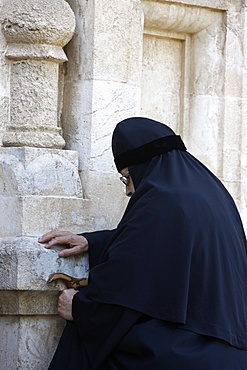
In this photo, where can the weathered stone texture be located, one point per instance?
(25, 265)
(42, 22)
(28, 351)
(35, 33)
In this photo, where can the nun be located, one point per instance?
(167, 288)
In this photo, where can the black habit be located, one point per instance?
(168, 287)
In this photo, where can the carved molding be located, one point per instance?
(35, 32)
(177, 17)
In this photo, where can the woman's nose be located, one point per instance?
(128, 191)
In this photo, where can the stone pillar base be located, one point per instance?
(28, 136)
(40, 190)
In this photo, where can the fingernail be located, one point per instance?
(61, 254)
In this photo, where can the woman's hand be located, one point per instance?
(64, 306)
(77, 243)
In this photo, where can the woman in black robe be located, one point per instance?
(168, 287)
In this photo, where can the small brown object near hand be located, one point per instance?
(69, 281)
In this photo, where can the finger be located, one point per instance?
(78, 249)
(57, 240)
(62, 297)
(44, 238)
(62, 293)
(66, 296)
(50, 244)
(50, 235)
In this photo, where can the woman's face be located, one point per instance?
(127, 180)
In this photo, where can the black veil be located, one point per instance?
(179, 252)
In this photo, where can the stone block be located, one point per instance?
(107, 198)
(26, 265)
(113, 101)
(162, 59)
(9, 329)
(11, 223)
(34, 171)
(115, 26)
(29, 351)
(204, 138)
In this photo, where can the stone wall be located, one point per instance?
(69, 71)
(195, 49)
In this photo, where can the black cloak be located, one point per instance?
(178, 255)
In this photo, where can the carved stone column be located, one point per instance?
(35, 32)
(40, 187)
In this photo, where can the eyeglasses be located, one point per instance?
(125, 179)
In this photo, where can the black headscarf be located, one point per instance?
(179, 252)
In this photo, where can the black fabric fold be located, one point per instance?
(168, 287)
(97, 241)
(148, 151)
(179, 252)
